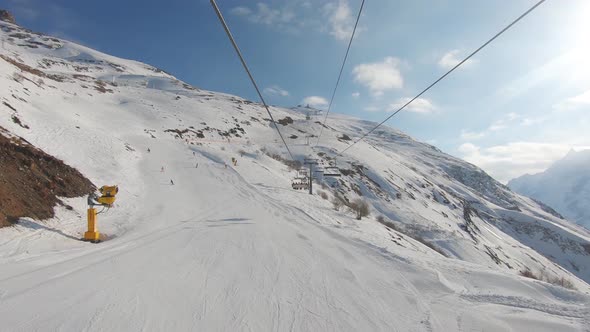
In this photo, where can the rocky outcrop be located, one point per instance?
(6, 16)
(31, 181)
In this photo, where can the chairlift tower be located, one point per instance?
(330, 171)
(310, 163)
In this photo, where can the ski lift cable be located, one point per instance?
(231, 38)
(341, 70)
(446, 74)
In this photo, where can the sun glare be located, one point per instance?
(580, 28)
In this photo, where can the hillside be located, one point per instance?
(565, 186)
(235, 247)
(33, 181)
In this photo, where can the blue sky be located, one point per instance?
(522, 103)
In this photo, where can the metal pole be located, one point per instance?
(310, 178)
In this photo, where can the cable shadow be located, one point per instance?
(35, 226)
(229, 219)
(232, 224)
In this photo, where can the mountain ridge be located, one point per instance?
(564, 186)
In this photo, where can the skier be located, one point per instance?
(162, 169)
(148, 150)
(193, 153)
(171, 182)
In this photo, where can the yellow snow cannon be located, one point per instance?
(108, 195)
(106, 200)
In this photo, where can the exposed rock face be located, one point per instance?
(32, 181)
(6, 16)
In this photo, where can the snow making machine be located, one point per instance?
(106, 200)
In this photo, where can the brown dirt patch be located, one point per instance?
(31, 70)
(31, 181)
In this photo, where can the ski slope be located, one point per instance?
(234, 258)
(234, 248)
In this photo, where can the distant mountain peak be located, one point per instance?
(565, 186)
(578, 154)
(573, 159)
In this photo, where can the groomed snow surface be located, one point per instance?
(233, 248)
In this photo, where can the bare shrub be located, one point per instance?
(544, 276)
(361, 208)
(323, 194)
(389, 224)
(527, 273)
(291, 164)
(429, 245)
(337, 202)
(561, 281)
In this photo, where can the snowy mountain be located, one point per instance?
(564, 186)
(234, 247)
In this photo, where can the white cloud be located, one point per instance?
(451, 59)
(355, 95)
(276, 90)
(574, 103)
(496, 126)
(508, 161)
(306, 4)
(241, 11)
(341, 21)
(315, 102)
(379, 77)
(333, 17)
(372, 109)
(503, 122)
(532, 121)
(468, 148)
(420, 105)
(264, 14)
(512, 116)
(472, 135)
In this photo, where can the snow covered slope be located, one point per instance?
(234, 247)
(564, 186)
